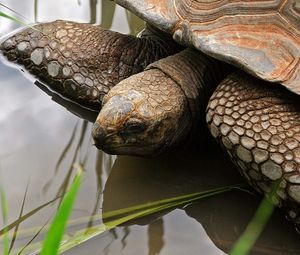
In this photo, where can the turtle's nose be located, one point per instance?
(99, 135)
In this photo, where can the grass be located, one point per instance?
(140, 211)
(19, 21)
(61, 244)
(53, 241)
(4, 211)
(58, 225)
(257, 224)
(11, 17)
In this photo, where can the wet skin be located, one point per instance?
(81, 61)
(163, 107)
(157, 110)
(256, 122)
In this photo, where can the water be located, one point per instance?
(36, 132)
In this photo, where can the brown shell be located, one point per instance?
(260, 36)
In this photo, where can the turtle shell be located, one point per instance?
(261, 37)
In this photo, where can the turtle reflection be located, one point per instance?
(224, 217)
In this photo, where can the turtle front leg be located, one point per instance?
(258, 123)
(81, 61)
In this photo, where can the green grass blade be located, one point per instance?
(26, 216)
(14, 237)
(85, 235)
(56, 230)
(23, 23)
(35, 235)
(124, 211)
(256, 225)
(4, 218)
(131, 213)
(167, 200)
(19, 14)
(4, 15)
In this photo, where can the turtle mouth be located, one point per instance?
(116, 143)
(133, 149)
(136, 142)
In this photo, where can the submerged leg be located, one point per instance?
(81, 61)
(259, 125)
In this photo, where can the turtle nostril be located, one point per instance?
(99, 135)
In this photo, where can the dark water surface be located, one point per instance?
(40, 140)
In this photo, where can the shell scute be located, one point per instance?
(261, 37)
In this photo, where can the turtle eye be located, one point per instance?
(134, 126)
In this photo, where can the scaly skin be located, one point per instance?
(134, 115)
(81, 61)
(259, 125)
(152, 112)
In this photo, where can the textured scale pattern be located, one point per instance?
(82, 61)
(262, 36)
(260, 129)
(204, 74)
(160, 92)
(150, 96)
(169, 98)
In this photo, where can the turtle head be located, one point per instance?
(138, 119)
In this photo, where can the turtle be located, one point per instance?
(82, 62)
(239, 73)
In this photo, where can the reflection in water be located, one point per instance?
(41, 141)
(35, 11)
(15, 233)
(107, 13)
(93, 11)
(75, 158)
(126, 233)
(155, 235)
(225, 223)
(223, 217)
(114, 236)
(103, 166)
(99, 171)
(73, 107)
(108, 9)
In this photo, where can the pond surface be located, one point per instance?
(41, 140)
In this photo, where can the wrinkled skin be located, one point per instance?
(154, 111)
(140, 116)
(257, 125)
